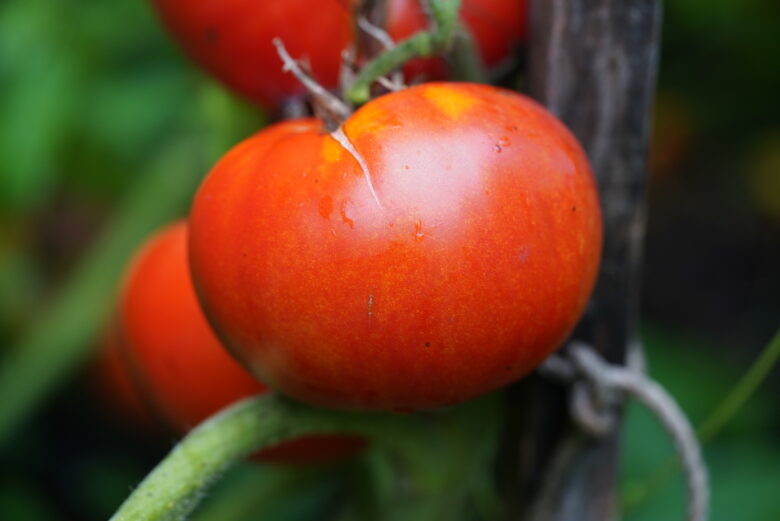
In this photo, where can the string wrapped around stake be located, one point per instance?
(598, 389)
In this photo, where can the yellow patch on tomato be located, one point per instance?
(331, 150)
(448, 100)
(370, 119)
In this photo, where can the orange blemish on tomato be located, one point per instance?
(326, 207)
(453, 102)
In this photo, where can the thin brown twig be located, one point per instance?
(326, 105)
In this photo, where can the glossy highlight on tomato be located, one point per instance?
(181, 367)
(439, 245)
(232, 38)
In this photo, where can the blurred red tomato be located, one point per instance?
(232, 38)
(184, 370)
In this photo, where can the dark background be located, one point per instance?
(95, 102)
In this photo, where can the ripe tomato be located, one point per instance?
(232, 38)
(185, 371)
(441, 244)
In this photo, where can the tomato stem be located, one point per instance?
(436, 40)
(175, 487)
(464, 59)
(327, 106)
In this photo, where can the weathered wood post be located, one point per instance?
(593, 63)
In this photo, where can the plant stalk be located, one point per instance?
(176, 486)
(436, 40)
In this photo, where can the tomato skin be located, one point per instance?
(463, 263)
(183, 368)
(232, 38)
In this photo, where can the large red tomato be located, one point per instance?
(232, 38)
(185, 372)
(441, 244)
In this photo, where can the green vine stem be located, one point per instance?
(741, 392)
(437, 40)
(249, 489)
(464, 59)
(176, 486)
(714, 423)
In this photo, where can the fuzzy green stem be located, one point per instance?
(175, 487)
(712, 425)
(453, 461)
(253, 489)
(438, 39)
(464, 59)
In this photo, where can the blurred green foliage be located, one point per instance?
(105, 130)
(744, 458)
(100, 112)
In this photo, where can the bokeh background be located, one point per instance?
(106, 129)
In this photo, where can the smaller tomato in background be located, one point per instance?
(231, 39)
(175, 360)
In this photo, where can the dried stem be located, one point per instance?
(327, 106)
(441, 451)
